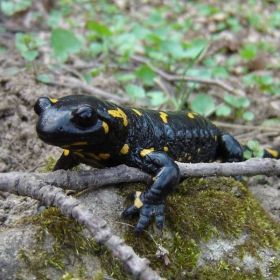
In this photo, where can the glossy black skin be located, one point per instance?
(103, 134)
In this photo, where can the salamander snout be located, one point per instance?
(41, 105)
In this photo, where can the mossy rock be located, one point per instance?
(215, 229)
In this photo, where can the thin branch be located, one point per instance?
(253, 127)
(71, 207)
(71, 82)
(80, 180)
(173, 78)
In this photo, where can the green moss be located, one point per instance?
(68, 240)
(201, 209)
(50, 163)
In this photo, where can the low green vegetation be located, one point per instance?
(114, 36)
(201, 210)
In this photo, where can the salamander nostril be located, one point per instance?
(41, 105)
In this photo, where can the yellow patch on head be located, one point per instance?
(191, 116)
(125, 149)
(104, 156)
(144, 152)
(106, 127)
(216, 138)
(179, 159)
(137, 202)
(119, 114)
(66, 152)
(274, 153)
(137, 112)
(53, 100)
(165, 149)
(163, 116)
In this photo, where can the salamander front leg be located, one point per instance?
(151, 202)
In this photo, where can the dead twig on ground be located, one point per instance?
(174, 78)
(71, 207)
(80, 180)
(76, 83)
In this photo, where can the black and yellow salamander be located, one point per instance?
(103, 134)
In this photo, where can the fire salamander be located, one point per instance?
(103, 134)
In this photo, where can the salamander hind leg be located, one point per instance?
(229, 149)
(151, 202)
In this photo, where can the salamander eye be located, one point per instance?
(41, 105)
(84, 116)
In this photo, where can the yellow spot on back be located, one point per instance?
(189, 158)
(137, 202)
(179, 159)
(144, 152)
(104, 156)
(272, 152)
(53, 100)
(79, 143)
(198, 150)
(66, 152)
(216, 138)
(106, 127)
(163, 116)
(137, 112)
(119, 114)
(190, 115)
(165, 149)
(124, 150)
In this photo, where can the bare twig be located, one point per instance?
(75, 83)
(171, 77)
(69, 206)
(80, 180)
(253, 127)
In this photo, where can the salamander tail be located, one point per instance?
(267, 152)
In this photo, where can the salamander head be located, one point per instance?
(69, 120)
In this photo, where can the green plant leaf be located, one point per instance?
(157, 98)
(173, 48)
(237, 102)
(100, 29)
(248, 116)
(64, 41)
(125, 77)
(30, 55)
(223, 111)
(270, 122)
(202, 104)
(249, 51)
(135, 91)
(44, 78)
(195, 47)
(146, 75)
(54, 18)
